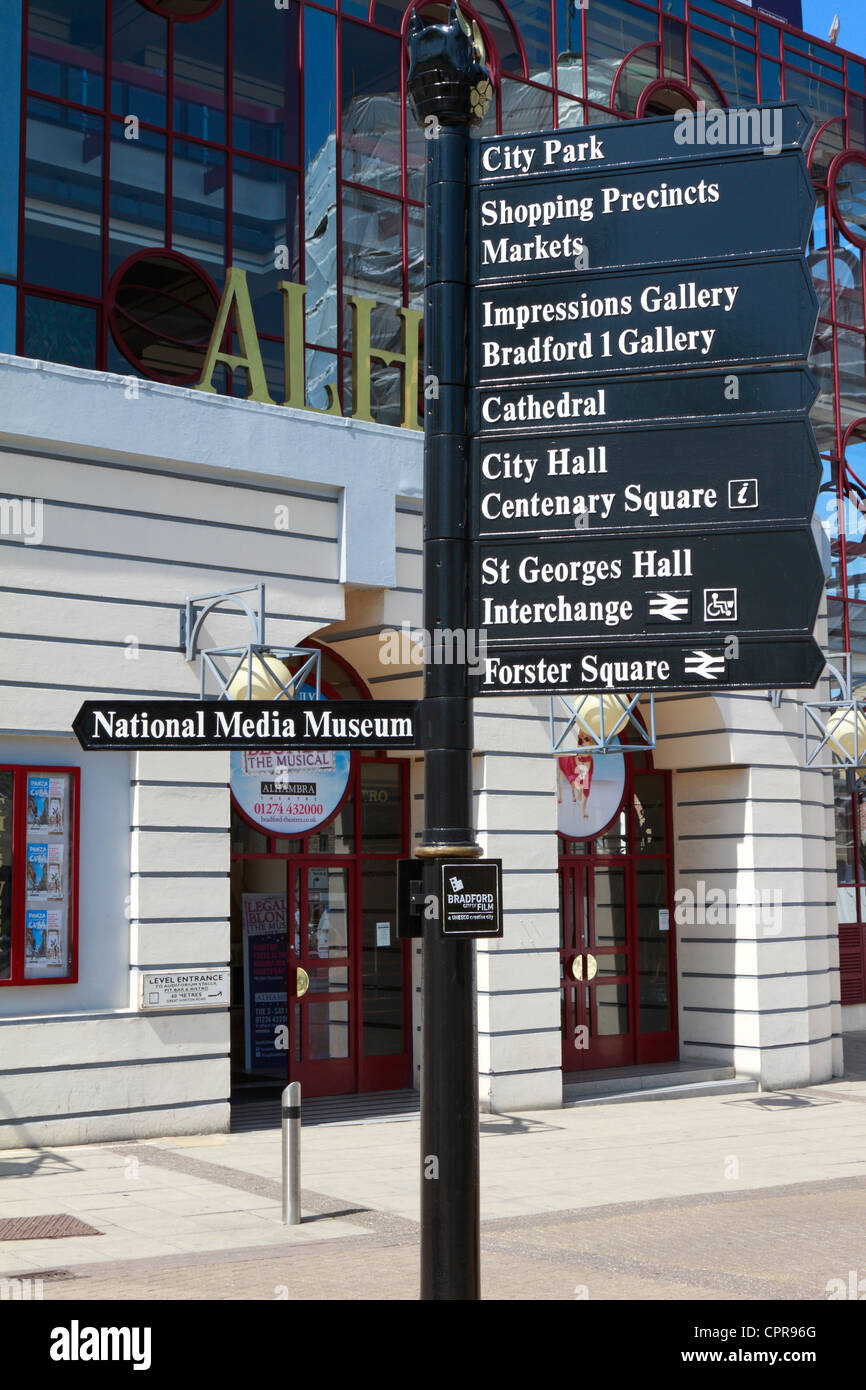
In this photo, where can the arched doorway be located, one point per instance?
(319, 979)
(617, 941)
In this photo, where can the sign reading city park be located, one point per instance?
(643, 470)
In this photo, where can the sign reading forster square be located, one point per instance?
(643, 468)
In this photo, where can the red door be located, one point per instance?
(322, 964)
(595, 960)
(617, 946)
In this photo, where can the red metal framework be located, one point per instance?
(21, 772)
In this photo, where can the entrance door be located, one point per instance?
(617, 947)
(595, 967)
(322, 962)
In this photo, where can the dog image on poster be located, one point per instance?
(589, 788)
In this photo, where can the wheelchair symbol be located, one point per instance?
(720, 605)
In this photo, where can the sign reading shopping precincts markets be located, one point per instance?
(290, 791)
(556, 224)
(643, 469)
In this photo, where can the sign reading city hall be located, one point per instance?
(643, 468)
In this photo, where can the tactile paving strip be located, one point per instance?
(44, 1227)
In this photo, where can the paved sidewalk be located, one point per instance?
(760, 1196)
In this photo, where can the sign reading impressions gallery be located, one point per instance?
(625, 278)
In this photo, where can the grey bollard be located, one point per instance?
(291, 1120)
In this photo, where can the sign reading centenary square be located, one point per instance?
(643, 469)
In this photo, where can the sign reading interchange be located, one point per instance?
(643, 469)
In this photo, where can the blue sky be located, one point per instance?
(818, 16)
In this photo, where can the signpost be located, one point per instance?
(643, 470)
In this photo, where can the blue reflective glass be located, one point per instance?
(55, 331)
(66, 48)
(63, 199)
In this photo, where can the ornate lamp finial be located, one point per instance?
(447, 77)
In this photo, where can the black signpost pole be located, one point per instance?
(447, 87)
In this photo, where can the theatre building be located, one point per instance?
(211, 293)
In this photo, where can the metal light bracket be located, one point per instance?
(816, 715)
(309, 672)
(606, 740)
(215, 659)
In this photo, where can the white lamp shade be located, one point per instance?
(266, 680)
(615, 717)
(847, 731)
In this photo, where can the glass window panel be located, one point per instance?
(768, 39)
(771, 81)
(732, 68)
(818, 97)
(525, 108)
(417, 266)
(322, 371)
(66, 44)
(856, 76)
(673, 48)
(63, 199)
(198, 206)
(245, 838)
(845, 828)
(416, 155)
(7, 783)
(610, 923)
(381, 808)
(827, 510)
(373, 263)
(615, 838)
(56, 331)
(533, 25)
(138, 63)
(830, 142)
(650, 830)
(611, 964)
(611, 1003)
(48, 882)
(327, 908)
(861, 832)
(370, 76)
(136, 206)
(854, 512)
(383, 1004)
(338, 836)
(327, 1031)
(265, 235)
(851, 352)
(850, 190)
(265, 83)
(613, 28)
(199, 77)
(856, 121)
(652, 949)
(321, 266)
(326, 979)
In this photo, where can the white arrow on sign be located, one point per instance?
(705, 664)
(674, 607)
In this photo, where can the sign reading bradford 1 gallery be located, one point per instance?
(644, 472)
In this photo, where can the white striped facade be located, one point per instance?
(160, 494)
